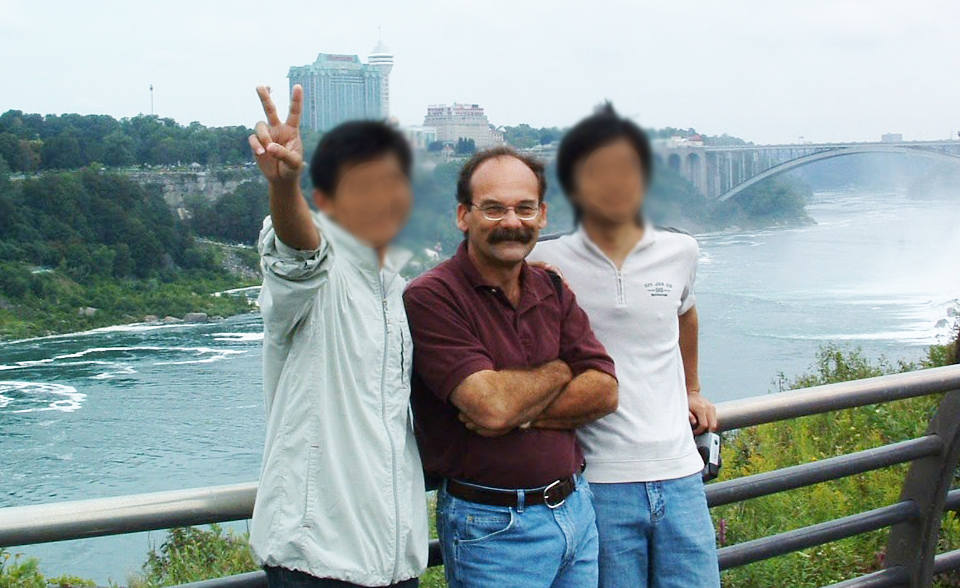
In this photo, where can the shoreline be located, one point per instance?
(37, 321)
(146, 326)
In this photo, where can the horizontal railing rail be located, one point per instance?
(78, 519)
(824, 470)
(32, 524)
(790, 404)
(797, 539)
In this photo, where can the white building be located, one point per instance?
(382, 59)
(461, 121)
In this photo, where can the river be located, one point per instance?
(142, 408)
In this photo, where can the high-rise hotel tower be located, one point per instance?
(337, 88)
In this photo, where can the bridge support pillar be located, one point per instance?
(712, 176)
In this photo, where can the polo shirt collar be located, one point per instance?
(532, 291)
(648, 239)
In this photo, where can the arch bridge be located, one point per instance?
(722, 172)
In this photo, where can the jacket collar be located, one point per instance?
(357, 253)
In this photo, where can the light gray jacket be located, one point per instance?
(341, 491)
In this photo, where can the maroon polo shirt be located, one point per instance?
(462, 325)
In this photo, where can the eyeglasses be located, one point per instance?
(497, 212)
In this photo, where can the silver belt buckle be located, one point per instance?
(546, 496)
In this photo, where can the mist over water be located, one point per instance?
(878, 271)
(146, 408)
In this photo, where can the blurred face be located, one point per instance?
(503, 185)
(372, 201)
(611, 184)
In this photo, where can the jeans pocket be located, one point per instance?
(479, 526)
(476, 529)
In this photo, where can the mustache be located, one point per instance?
(522, 235)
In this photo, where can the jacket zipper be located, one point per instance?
(386, 426)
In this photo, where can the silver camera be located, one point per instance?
(708, 444)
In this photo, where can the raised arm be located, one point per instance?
(278, 150)
(496, 402)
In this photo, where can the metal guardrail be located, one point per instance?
(915, 520)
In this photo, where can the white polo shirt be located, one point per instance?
(633, 312)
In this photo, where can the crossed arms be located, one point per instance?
(459, 368)
(496, 402)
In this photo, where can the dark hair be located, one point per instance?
(596, 131)
(465, 191)
(353, 142)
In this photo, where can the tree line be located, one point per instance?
(30, 142)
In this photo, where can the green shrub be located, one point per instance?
(19, 572)
(778, 445)
(190, 554)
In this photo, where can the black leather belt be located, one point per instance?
(552, 495)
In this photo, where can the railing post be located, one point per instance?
(912, 545)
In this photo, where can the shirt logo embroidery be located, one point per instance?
(658, 288)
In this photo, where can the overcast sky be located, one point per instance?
(765, 70)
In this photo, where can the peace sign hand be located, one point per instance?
(276, 145)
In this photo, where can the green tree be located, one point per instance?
(122, 261)
(522, 136)
(118, 149)
(10, 151)
(466, 146)
(236, 217)
(62, 152)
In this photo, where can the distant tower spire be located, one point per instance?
(382, 59)
(151, 99)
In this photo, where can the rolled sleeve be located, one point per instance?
(446, 349)
(291, 279)
(579, 346)
(283, 261)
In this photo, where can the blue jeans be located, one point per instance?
(524, 547)
(656, 535)
(284, 578)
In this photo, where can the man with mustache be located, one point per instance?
(506, 366)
